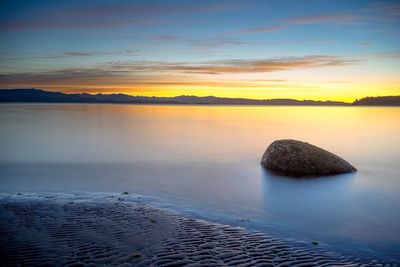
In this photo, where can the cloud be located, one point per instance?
(213, 41)
(387, 8)
(387, 55)
(366, 43)
(167, 38)
(335, 19)
(145, 72)
(324, 19)
(126, 76)
(62, 75)
(58, 24)
(219, 41)
(105, 16)
(262, 66)
(134, 9)
(201, 45)
(205, 45)
(98, 53)
(69, 54)
(265, 29)
(80, 77)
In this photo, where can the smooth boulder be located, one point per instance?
(300, 158)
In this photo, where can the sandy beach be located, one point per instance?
(63, 231)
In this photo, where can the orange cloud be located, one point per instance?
(143, 71)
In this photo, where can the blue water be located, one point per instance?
(203, 161)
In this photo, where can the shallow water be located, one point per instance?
(204, 161)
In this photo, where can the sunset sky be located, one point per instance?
(321, 50)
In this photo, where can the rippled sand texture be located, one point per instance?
(54, 232)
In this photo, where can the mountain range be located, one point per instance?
(41, 96)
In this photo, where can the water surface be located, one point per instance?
(205, 161)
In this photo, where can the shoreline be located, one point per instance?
(196, 104)
(92, 230)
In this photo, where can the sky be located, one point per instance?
(319, 50)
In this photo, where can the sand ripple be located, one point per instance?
(53, 232)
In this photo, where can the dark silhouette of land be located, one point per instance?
(378, 101)
(40, 96)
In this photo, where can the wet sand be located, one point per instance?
(58, 231)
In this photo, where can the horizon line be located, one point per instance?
(176, 96)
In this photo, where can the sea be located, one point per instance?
(204, 161)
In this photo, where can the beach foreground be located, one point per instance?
(52, 230)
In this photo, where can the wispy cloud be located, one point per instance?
(167, 38)
(366, 44)
(323, 19)
(388, 8)
(96, 78)
(106, 16)
(71, 54)
(388, 55)
(261, 66)
(137, 72)
(134, 9)
(335, 19)
(265, 29)
(205, 45)
(95, 53)
(201, 45)
(59, 24)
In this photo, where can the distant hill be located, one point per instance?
(36, 95)
(378, 101)
(41, 96)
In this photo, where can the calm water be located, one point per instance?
(204, 161)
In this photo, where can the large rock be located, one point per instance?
(300, 158)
